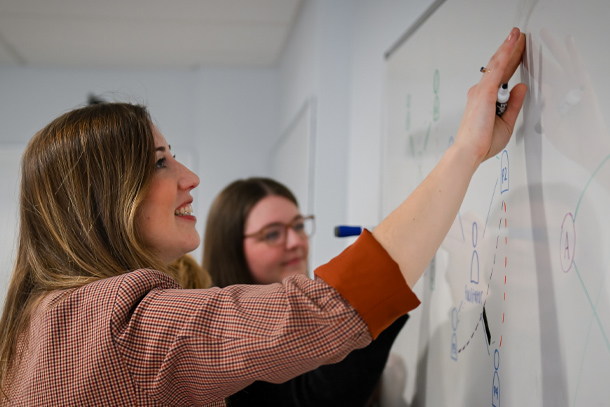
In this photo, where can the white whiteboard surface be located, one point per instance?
(531, 243)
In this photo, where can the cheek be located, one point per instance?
(263, 262)
(155, 214)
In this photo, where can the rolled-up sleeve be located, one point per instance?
(368, 278)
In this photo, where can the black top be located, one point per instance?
(350, 382)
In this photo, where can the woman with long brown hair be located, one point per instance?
(94, 317)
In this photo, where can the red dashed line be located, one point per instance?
(502, 317)
(505, 279)
(500, 340)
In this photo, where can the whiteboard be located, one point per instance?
(515, 306)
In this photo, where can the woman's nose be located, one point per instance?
(188, 179)
(294, 239)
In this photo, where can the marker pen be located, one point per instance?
(346, 231)
(503, 95)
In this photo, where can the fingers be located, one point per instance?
(506, 59)
(515, 59)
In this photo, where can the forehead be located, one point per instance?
(158, 137)
(271, 209)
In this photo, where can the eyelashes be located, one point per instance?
(161, 162)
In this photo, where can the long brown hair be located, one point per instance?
(83, 177)
(223, 249)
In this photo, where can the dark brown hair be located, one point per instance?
(223, 249)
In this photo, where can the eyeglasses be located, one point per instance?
(275, 234)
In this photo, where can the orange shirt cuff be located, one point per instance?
(367, 277)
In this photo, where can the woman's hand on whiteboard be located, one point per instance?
(482, 132)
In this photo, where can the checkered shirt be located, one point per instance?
(138, 339)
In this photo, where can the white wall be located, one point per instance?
(236, 125)
(317, 64)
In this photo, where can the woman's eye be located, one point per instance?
(299, 226)
(161, 163)
(272, 235)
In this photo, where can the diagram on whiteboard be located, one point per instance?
(516, 304)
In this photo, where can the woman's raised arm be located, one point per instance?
(413, 232)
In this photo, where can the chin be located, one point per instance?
(193, 244)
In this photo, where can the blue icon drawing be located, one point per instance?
(454, 325)
(504, 180)
(474, 268)
(495, 387)
(495, 393)
(454, 352)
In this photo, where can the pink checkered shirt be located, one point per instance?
(139, 339)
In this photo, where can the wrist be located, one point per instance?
(463, 157)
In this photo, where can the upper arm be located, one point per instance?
(204, 345)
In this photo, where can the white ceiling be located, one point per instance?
(142, 34)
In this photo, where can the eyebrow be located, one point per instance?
(282, 223)
(162, 148)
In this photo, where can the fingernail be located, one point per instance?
(513, 32)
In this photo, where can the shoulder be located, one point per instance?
(131, 288)
(139, 282)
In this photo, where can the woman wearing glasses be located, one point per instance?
(256, 234)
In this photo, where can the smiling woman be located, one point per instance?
(165, 222)
(94, 317)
